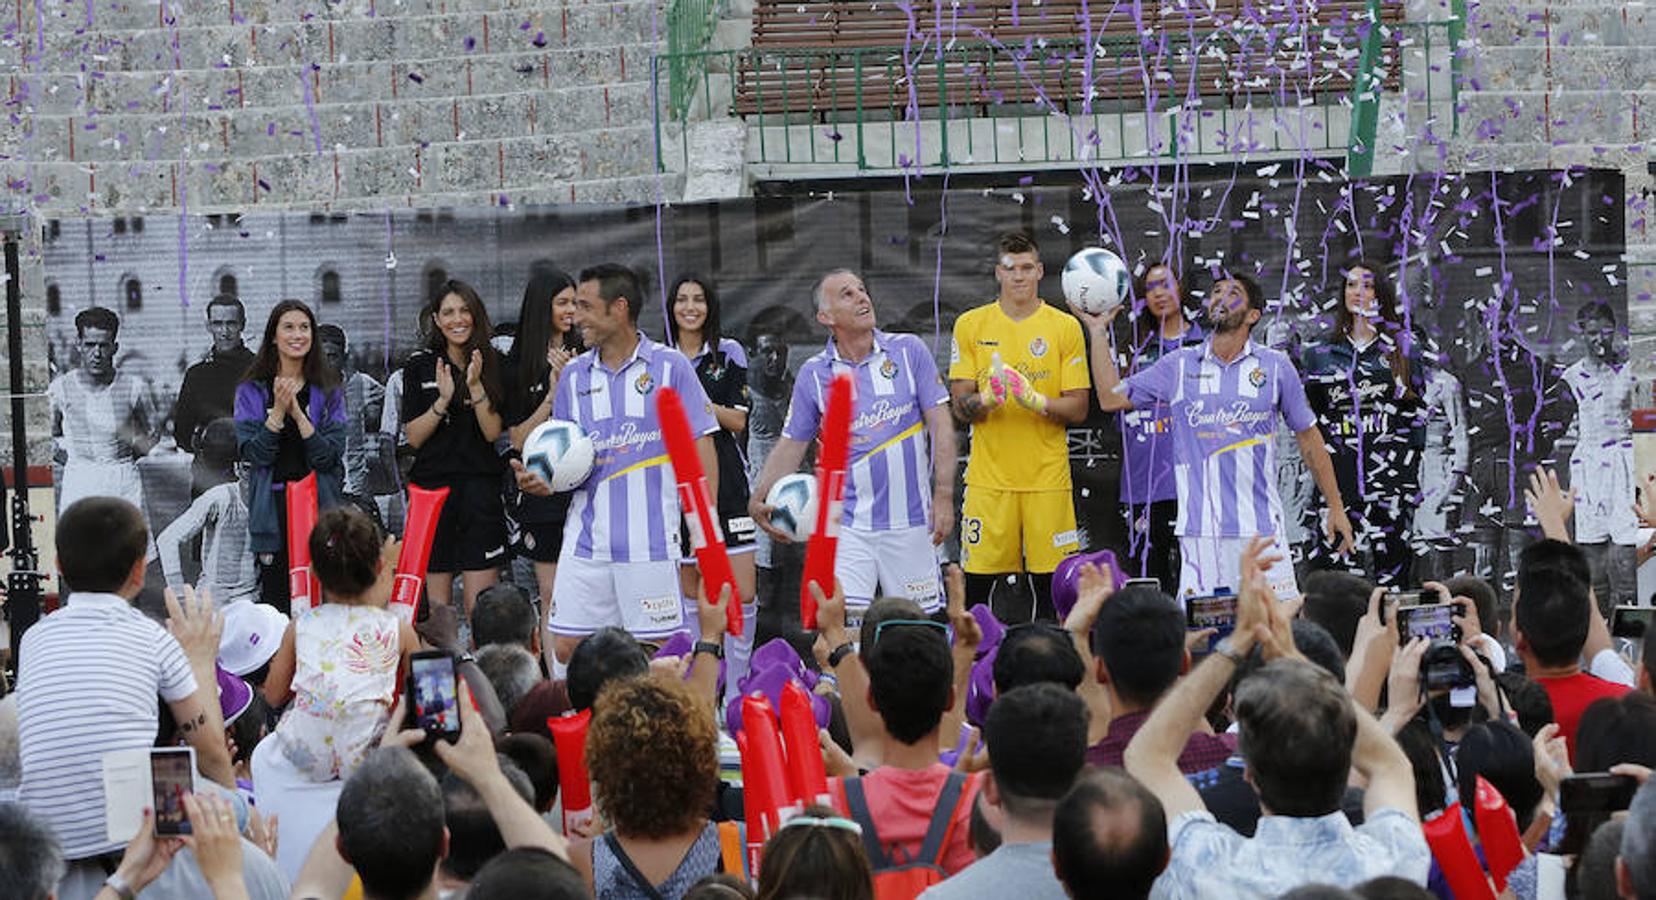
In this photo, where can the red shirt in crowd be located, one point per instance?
(901, 802)
(1571, 695)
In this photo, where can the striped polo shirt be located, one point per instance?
(87, 681)
(888, 482)
(1224, 421)
(627, 510)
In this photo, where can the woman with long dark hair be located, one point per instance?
(546, 341)
(1365, 383)
(290, 422)
(1149, 494)
(451, 410)
(721, 364)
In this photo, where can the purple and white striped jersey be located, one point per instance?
(888, 482)
(1224, 420)
(627, 510)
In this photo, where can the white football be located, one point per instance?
(1096, 280)
(559, 452)
(793, 502)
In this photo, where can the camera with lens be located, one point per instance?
(1444, 667)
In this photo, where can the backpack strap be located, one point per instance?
(856, 803)
(626, 863)
(942, 820)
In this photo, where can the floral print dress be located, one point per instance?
(344, 679)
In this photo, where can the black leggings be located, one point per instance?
(1014, 597)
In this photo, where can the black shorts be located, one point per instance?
(471, 532)
(739, 534)
(540, 539)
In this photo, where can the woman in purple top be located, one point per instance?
(290, 422)
(1148, 491)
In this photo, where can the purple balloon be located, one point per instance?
(1069, 572)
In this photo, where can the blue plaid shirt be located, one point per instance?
(1210, 860)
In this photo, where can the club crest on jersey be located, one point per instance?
(1257, 377)
(1038, 347)
(888, 369)
(644, 383)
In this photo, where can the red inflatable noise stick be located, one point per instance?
(1503, 846)
(807, 780)
(569, 735)
(823, 546)
(303, 590)
(696, 501)
(424, 506)
(764, 773)
(1446, 835)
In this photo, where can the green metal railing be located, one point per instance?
(961, 104)
(689, 29)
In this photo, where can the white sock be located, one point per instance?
(739, 647)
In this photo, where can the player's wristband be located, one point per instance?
(710, 648)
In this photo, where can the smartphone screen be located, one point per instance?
(1216, 611)
(1143, 582)
(1587, 800)
(435, 695)
(1433, 621)
(172, 775)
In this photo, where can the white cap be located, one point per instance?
(252, 634)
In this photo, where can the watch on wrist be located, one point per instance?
(839, 654)
(1228, 650)
(712, 648)
(119, 885)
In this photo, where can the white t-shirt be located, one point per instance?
(87, 682)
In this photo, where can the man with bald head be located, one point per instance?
(899, 492)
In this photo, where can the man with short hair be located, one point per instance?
(1636, 863)
(910, 685)
(1301, 736)
(1336, 600)
(1109, 837)
(899, 494)
(504, 615)
(1138, 642)
(1552, 614)
(1037, 653)
(89, 675)
(619, 563)
(512, 671)
(473, 836)
(1225, 396)
(528, 874)
(103, 419)
(1037, 737)
(31, 861)
(1018, 377)
(209, 389)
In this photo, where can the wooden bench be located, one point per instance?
(806, 55)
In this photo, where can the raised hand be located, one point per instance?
(445, 383)
(196, 624)
(474, 372)
(216, 842)
(1093, 586)
(556, 359)
(1551, 504)
(1097, 322)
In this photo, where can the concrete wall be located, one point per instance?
(116, 108)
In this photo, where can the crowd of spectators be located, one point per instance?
(1118, 753)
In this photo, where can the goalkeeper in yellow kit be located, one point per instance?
(1018, 376)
